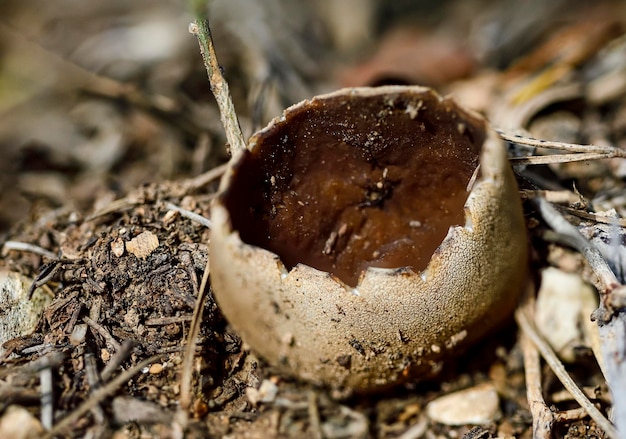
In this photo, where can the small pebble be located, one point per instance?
(143, 244)
(18, 423)
(156, 368)
(117, 247)
(477, 405)
(564, 303)
(265, 393)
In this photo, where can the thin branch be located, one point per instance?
(612, 336)
(560, 158)
(205, 178)
(525, 323)
(108, 338)
(47, 400)
(556, 197)
(597, 218)
(26, 247)
(611, 151)
(593, 256)
(219, 86)
(543, 418)
(91, 371)
(192, 338)
(191, 215)
(610, 319)
(314, 416)
(100, 395)
(117, 359)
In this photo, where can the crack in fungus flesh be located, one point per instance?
(343, 187)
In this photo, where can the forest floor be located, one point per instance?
(112, 153)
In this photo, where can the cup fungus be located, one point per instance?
(357, 242)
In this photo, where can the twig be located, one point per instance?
(94, 383)
(219, 86)
(560, 158)
(557, 197)
(611, 321)
(194, 330)
(525, 323)
(314, 416)
(47, 401)
(50, 360)
(99, 395)
(563, 146)
(117, 359)
(162, 321)
(26, 247)
(612, 336)
(103, 332)
(114, 206)
(587, 249)
(204, 179)
(597, 218)
(543, 418)
(570, 415)
(191, 215)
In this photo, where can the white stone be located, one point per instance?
(265, 393)
(18, 423)
(19, 315)
(477, 405)
(564, 304)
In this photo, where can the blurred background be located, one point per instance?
(100, 97)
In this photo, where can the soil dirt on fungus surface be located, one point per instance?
(112, 150)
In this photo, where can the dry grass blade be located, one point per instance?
(219, 86)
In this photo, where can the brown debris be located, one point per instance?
(107, 121)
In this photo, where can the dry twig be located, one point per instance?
(194, 330)
(108, 338)
(543, 418)
(525, 323)
(26, 247)
(609, 151)
(560, 158)
(611, 321)
(191, 215)
(574, 238)
(219, 86)
(47, 400)
(100, 395)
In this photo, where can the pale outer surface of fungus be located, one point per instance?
(397, 324)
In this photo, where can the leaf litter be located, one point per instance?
(108, 139)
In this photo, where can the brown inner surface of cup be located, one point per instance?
(350, 182)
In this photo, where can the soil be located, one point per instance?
(112, 149)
